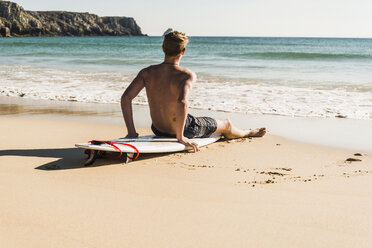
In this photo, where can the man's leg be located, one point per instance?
(228, 130)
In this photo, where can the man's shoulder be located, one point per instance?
(188, 73)
(147, 71)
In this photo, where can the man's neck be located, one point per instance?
(172, 60)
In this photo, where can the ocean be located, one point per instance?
(307, 77)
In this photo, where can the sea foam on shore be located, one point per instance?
(208, 93)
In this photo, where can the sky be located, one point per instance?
(273, 18)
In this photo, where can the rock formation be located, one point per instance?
(15, 21)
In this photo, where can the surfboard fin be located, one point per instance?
(92, 157)
(129, 156)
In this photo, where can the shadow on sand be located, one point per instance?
(71, 158)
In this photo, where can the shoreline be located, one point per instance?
(342, 133)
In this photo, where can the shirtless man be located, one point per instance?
(168, 87)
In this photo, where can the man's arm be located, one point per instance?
(126, 102)
(181, 112)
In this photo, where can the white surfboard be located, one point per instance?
(144, 144)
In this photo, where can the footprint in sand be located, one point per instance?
(353, 160)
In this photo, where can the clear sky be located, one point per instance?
(299, 18)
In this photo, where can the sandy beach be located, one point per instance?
(300, 69)
(269, 192)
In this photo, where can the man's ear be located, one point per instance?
(183, 51)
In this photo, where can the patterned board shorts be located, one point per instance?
(195, 127)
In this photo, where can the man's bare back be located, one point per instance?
(164, 84)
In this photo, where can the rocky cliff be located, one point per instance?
(15, 21)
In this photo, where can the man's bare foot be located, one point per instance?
(259, 132)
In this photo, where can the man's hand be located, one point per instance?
(188, 143)
(131, 136)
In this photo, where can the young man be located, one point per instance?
(168, 88)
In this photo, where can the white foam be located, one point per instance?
(253, 98)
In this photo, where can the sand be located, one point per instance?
(266, 192)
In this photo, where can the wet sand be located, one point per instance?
(342, 133)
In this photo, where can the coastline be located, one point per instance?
(254, 192)
(335, 132)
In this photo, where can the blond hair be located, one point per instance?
(174, 43)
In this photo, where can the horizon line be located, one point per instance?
(241, 36)
(207, 36)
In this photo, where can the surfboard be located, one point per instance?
(144, 144)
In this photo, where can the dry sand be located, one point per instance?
(267, 192)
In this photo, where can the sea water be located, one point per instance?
(310, 77)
